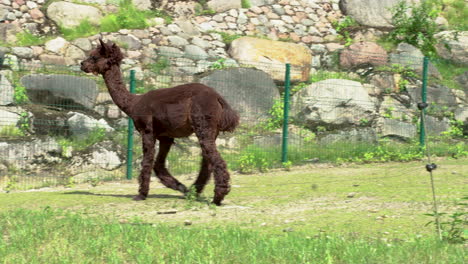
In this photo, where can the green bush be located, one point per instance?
(415, 24)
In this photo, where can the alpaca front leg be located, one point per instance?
(146, 166)
(203, 176)
(160, 168)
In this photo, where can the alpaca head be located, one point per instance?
(102, 58)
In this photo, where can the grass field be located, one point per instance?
(370, 213)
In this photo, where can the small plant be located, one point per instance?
(227, 38)
(219, 64)
(26, 38)
(364, 122)
(246, 4)
(453, 229)
(24, 122)
(202, 9)
(84, 29)
(161, 64)
(276, 116)
(11, 183)
(20, 95)
(388, 112)
(342, 28)
(247, 163)
(287, 165)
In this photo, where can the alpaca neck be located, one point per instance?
(117, 89)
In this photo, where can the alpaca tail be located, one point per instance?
(229, 118)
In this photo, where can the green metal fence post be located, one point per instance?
(422, 129)
(287, 88)
(130, 132)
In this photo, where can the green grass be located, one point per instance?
(448, 71)
(52, 236)
(84, 29)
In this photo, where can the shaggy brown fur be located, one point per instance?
(166, 114)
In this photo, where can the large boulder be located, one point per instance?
(363, 53)
(70, 15)
(271, 57)
(61, 90)
(25, 154)
(6, 91)
(251, 92)
(371, 13)
(333, 103)
(409, 56)
(354, 135)
(453, 45)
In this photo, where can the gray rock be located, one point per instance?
(143, 5)
(75, 53)
(195, 52)
(170, 52)
(129, 41)
(369, 12)
(83, 43)
(106, 159)
(57, 45)
(453, 45)
(436, 126)
(200, 43)
(333, 103)
(61, 90)
(8, 118)
(355, 135)
(70, 15)
(224, 5)
(251, 92)
(81, 125)
(177, 41)
(437, 94)
(8, 32)
(410, 56)
(397, 129)
(6, 91)
(23, 154)
(4, 10)
(188, 28)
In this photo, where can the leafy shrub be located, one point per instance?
(415, 24)
(20, 96)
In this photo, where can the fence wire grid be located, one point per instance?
(60, 126)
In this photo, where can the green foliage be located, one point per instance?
(26, 38)
(324, 75)
(84, 29)
(161, 64)
(24, 123)
(81, 143)
(405, 71)
(251, 161)
(202, 9)
(415, 24)
(455, 11)
(10, 131)
(227, 38)
(220, 64)
(449, 71)
(343, 27)
(20, 95)
(246, 4)
(453, 226)
(276, 113)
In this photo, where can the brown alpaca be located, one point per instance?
(166, 114)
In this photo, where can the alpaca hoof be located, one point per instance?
(139, 197)
(181, 188)
(216, 202)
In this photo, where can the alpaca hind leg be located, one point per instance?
(146, 165)
(160, 166)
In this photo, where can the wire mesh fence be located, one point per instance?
(59, 126)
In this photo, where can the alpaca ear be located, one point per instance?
(103, 50)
